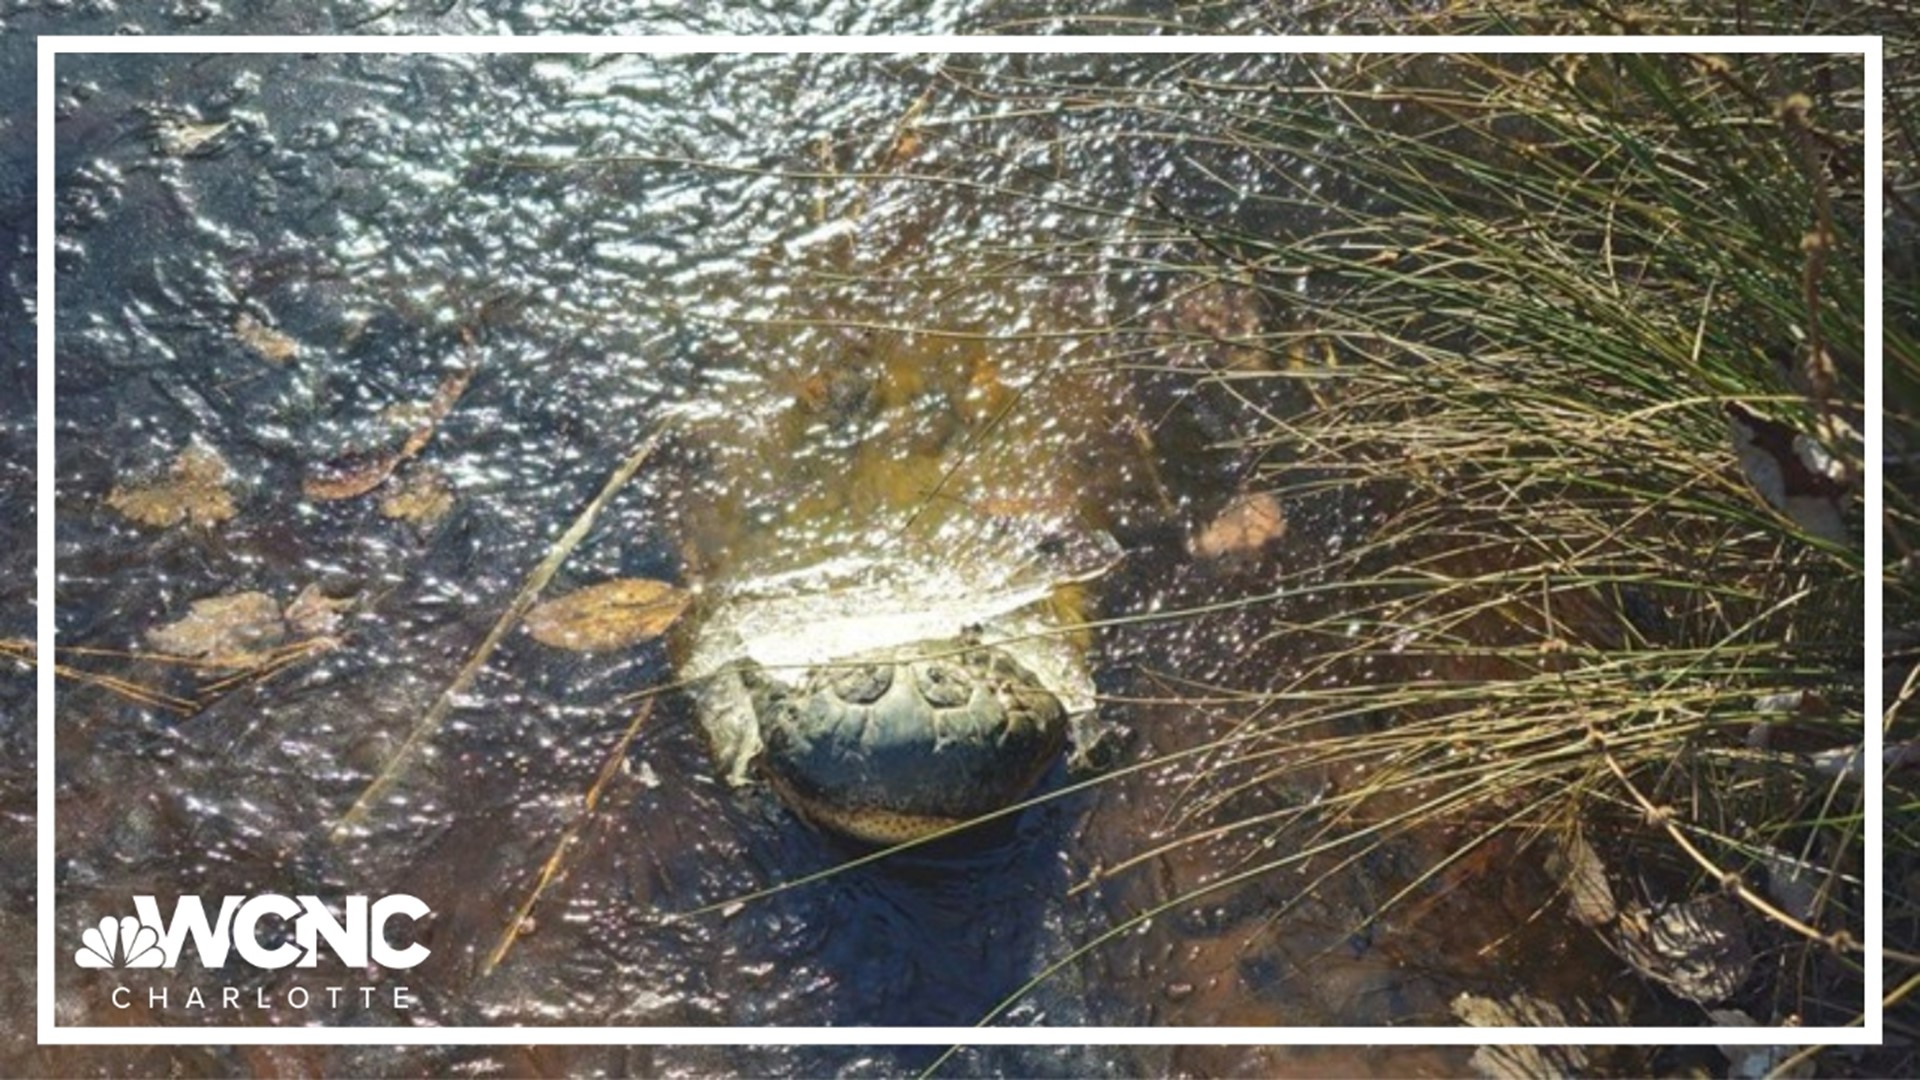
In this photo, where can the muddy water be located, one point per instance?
(822, 274)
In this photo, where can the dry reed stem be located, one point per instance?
(552, 869)
(556, 555)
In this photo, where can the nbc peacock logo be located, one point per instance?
(125, 942)
(353, 928)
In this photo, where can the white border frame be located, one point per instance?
(53, 46)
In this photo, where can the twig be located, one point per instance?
(551, 870)
(355, 476)
(529, 592)
(23, 652)
(1817, 244)
(1840, 940)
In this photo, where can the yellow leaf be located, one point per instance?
(611, 615)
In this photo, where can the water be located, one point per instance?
(613, 243)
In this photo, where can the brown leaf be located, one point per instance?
(192, 490)
(420, 499)
(360, 472)
(1216, 325)
(272, 345)
(1249, 523)
(611, 615)
(351, 476)
(1575, 865)
(228, 631)
(314, 613)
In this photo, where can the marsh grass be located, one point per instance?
(1480, 319)
(1519, 337)
(1542, 282)
(1503, 346)
(1900, 523)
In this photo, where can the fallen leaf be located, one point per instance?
(227, 631)
(193, 490)
(1793, 883)
(314, 613)
(1573, 863)
(1247, 524)
(420, 499)
(351, 476)
(1527, 1062)
(358, 473)
(1519, 1062)
(611, 615)
(1807, 703)
(179, 137)
(1216, 325)
(1755, 1062)
(1697, 949)
(1843, 762)
(270, 344)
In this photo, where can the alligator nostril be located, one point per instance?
(862, 685)
(942, 685)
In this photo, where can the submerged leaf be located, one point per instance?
(1247, 524)
(1519, 1062)
(178, 136)
(611, 615)
(420, 499)
(228, 631)
(1574, 864)
(1697, 949)
(192, 490)
(314, 613)
(1755, 1062)
(359, 472)
(272, 345)
(350, 477)
(1216, 326)
(1793, 883)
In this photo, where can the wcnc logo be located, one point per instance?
(358, 937)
